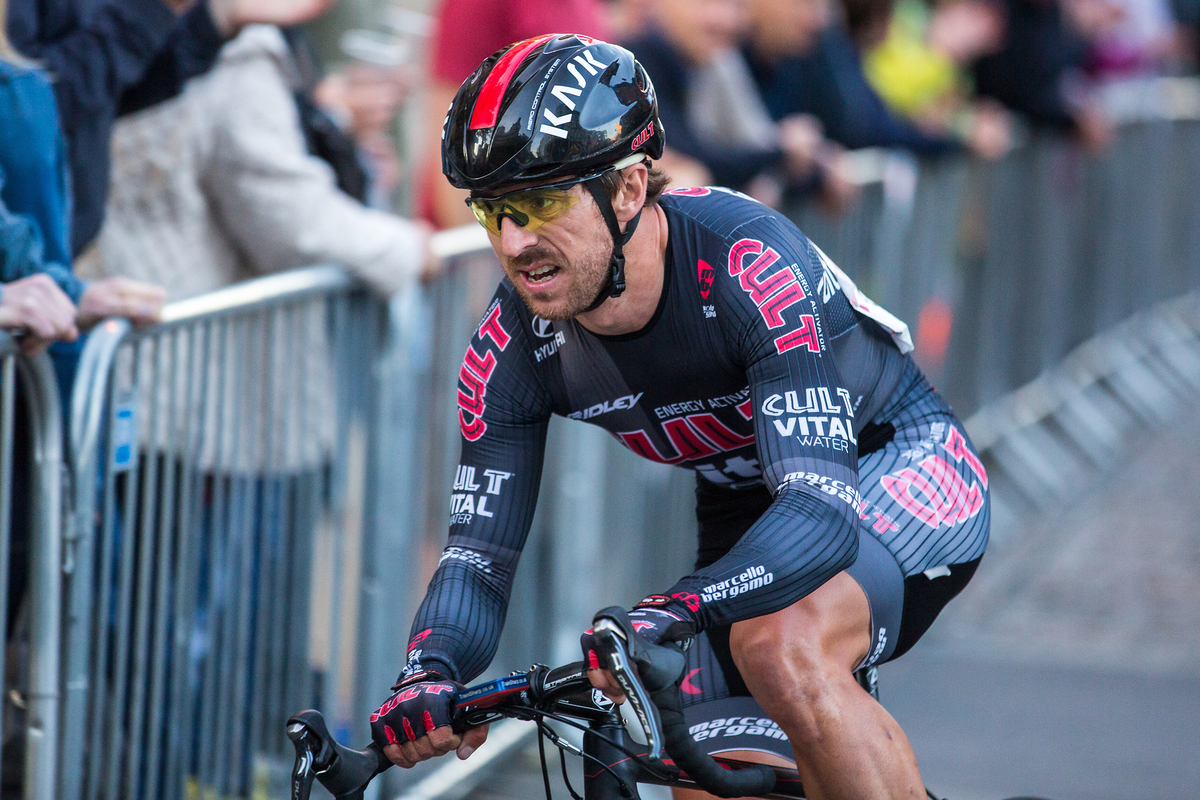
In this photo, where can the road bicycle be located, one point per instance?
(614, 763)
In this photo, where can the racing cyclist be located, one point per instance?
(840, 503)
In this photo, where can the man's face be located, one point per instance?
(560, 268)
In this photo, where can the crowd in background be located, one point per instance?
(186, 144)
(766, 96)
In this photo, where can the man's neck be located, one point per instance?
(645, 260)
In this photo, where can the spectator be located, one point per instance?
(40, 293)
(920, 70)
(803, 63)
(712, 110)
(1036, 70)
(1128, 37)
(217, 185)
(362, 100)
(465, 33)
(116, 56)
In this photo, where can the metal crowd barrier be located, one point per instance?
(31, 458)
(222, 462)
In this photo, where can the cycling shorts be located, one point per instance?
(923, 528)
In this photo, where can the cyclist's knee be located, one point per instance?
(798, 660)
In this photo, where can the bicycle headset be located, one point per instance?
(559, 106)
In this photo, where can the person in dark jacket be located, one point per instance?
(710, 105)
(40, 295)
(116, 56)
(1032, 73)
(803, 63)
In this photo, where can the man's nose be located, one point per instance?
(514, 239)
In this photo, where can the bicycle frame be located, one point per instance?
(611, 756)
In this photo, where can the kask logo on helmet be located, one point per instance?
(566, 93)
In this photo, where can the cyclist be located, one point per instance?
(840, 503)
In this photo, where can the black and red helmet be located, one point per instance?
(559, 105)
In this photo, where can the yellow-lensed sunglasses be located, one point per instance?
(533, 207)
(530, 208)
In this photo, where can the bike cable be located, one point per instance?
(542, 757)
(562, 759)
(637, 757)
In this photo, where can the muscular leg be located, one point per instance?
(798, 663)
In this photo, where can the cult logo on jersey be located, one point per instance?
(937, 494)
(689, 191)
(693, 437)
(705, 274)
(772, 289)
(476, 371)
(818, 421)
(466, 501)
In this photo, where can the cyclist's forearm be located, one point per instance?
(798, 544)
(457, 627)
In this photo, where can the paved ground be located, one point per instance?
(1070, 667)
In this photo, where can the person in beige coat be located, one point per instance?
(217, 186)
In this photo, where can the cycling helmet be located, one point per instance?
(555, 106)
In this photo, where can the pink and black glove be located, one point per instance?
(657, 625)
(418, 706)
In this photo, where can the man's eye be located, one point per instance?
(543, 203)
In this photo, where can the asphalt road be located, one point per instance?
(1070, 667)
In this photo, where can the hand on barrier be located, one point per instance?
(414, 724)
(231, 16)
(141, 303)
(36, 306)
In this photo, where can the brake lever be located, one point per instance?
(615, 641)
(313, 753)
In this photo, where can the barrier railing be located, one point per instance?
(31, 453)
(258, 501)
(221, 463)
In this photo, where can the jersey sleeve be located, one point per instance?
(780, 315)
(503, 412)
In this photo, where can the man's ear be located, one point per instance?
(632, 194)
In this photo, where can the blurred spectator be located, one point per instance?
(217, 185)
(713, 113)
(920, 70)
(117, 56)
(40, 293)
(364, 99)
(803, 63)
(1038, 72)
(465, 33)
(1128, 37)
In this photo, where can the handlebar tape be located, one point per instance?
(700, 767)
(354, 769)
(660, 668)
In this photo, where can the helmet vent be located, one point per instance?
(491, 95)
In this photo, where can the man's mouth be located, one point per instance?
(541, 274)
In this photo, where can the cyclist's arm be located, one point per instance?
(503, 414)
(804, 434)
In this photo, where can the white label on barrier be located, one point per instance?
(124, 433)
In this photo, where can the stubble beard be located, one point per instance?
(588, 277)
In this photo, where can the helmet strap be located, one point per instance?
(615, 285)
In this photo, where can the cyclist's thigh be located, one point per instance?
(924, 524)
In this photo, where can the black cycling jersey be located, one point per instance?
(762, 365)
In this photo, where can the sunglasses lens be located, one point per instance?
(530, 210)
